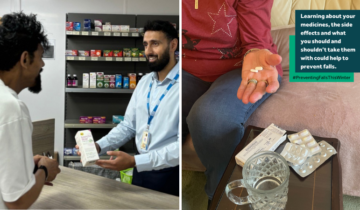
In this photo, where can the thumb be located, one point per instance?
(273, 59)
(114, 153)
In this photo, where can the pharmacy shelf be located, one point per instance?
(110, 59)
(104, 33)
(76, 124)
(97, 90)
(104, 157)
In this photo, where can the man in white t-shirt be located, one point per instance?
(22, 176)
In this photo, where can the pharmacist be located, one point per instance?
(152, 117)
(22, 43)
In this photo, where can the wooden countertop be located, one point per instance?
(75, 189)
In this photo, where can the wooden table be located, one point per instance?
(320, 190)
(75, 189)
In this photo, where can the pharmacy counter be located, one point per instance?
(75, 189)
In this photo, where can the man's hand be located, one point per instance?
(52, 167)
(37, 158)
(250, 92)
(96, 145)
(121, 162)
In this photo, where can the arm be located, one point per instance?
(26, 200)
(123, 132)
(254, 27)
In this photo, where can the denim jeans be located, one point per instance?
(215, 118)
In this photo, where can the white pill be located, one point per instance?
(315, 149)
(293, 136)
(311, 144)
(253, 70)
(304, 132)
(259, 68)
(298, 141)
(307, 138)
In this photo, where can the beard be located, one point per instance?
(37, 87)
(159, 64)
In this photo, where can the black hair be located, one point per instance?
(164, 26)
(19, 33)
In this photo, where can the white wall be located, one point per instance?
(52, 13)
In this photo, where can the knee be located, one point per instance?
(206, 120)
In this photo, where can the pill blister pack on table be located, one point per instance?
(295, 154)
(312, 163)
(305, 139)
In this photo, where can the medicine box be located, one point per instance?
(268, 140)
(86, 80)
(92, 80)
(87, 146)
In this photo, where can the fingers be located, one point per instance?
(242, 89)
(273, 59)
(108, 164)
(77, 146)
(49, 184)
(273, 85)
(113, 153)
(248, 91)
(259, 91)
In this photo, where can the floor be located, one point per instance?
(194, 197)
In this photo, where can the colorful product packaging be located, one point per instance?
(71, 52)
(132, 78)
(98, 28)
(87, 146)
(108, 53)
(142, 53)
(106, 81)
(87, 24)
(118, 81)
(134, 52)
(92, 80)
(95, 53)
(99, 120)
(69, 26)
(98, 22)
(75, 151)
(68, 151)
(85, 53)
(106, 28)
(118, 53)
(115, 28)
(126, 83)
(116, 119)
(112, 81)
(127, 52)
(77, 26)
(99, 79)
(86, 80)
(124, 28)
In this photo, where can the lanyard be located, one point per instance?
(151, 116)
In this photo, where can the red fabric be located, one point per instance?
(216, 36)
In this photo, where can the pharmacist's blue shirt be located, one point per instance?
(163, 151)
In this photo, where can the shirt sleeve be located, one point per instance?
(123, 132)
(254, 25)
(17, 163)
(165, 157)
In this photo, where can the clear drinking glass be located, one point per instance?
(266, 179)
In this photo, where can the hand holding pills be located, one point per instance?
(255, 84)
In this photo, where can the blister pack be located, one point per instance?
(305, 139)
(295, 154)
(312, 163)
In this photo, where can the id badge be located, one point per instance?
(145, 140)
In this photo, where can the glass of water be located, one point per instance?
(266, 179)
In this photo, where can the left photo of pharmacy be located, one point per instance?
(89, 104)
